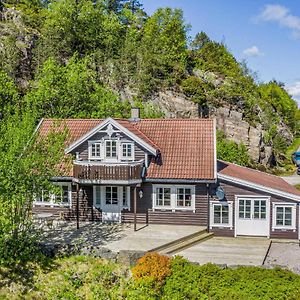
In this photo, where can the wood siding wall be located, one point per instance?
(231, 190)
(139, 152)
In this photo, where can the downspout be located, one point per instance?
(208, 206)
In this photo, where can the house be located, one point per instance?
(165, 171)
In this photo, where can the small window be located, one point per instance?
(127, 150)
(184, 197)
(60, 195)
(221, 214)
(124, 196)
(111, 195)
(98, 196)
(283, 216)
(96, 150)
(163, 197)
(111, 149)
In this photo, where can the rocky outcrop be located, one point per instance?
(229, 120)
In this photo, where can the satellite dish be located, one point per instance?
(220, 193)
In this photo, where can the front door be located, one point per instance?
(111, 208)
(252, 216)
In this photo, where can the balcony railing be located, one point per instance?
(98, 172)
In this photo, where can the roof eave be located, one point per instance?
(263, 188)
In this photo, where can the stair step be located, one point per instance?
(187, 243)
(175, 242)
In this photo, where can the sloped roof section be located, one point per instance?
(257, 177)
(187, 147)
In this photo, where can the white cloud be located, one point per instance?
(294, 90)
(252, 51)
(281, 15)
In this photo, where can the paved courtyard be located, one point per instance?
(286, 255)
(230, 251)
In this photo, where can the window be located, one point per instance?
(111, 195)
(184, 197)
(111, 149)
(174, 197)
(124, 196)
(127, 150)
(61, 195)
(244, 209)
(283, 216)
(163, 197)
(96, 150)
(221, 214)
(97, 196)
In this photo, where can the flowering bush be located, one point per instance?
(153, 267)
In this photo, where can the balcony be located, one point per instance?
(108, 173)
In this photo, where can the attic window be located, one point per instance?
(111, 149)
(127, 150)
(96, 150)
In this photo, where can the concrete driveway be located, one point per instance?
(230, 251)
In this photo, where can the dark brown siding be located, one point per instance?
(145, 212)
(231, 190)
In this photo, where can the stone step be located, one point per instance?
(183, 243)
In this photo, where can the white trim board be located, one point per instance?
(259, 187)
(118, 126)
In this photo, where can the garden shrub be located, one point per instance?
(152, 267)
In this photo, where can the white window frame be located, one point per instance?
(173, 206)
(230, 214)
(103, 196)
(274, 213)
(121, 151)
(108, 158)
(90, 145)
(52, 196)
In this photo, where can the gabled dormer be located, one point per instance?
(113, 150)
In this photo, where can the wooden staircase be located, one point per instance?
(183, 243)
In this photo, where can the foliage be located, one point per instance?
(188, 281)
(231, 152)
(154, 267)
(73, 91)
(26, 166)
(92, 278)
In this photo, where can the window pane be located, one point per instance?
(65, 194)
(124, 192)
(98, 195)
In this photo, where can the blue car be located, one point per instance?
(296, 158)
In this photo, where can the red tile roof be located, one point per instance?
(187, 145)
(257, 177)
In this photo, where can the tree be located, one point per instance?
(9, 97)
(81, 27)
(162, 53)
(26, 166)
(73, 91)
(200, 40)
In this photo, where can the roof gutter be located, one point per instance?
(171, 180)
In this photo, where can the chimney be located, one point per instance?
(135, 114)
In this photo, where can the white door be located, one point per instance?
(111, 206)
(252, 216)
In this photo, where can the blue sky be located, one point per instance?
(264, 33)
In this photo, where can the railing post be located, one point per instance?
(134, 207)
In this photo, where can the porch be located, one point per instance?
(117, 237)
